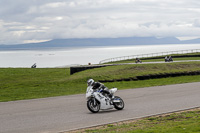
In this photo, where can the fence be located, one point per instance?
(148, 55)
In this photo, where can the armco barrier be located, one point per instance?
(76, 69)
(153, 76)
(82, 68)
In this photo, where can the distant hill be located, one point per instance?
(122, 41)
(192, 41)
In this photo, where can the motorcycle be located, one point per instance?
(168, 59)
(96, 100)
(137, 60)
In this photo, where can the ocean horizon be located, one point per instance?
(66, 57)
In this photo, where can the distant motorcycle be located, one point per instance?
(96, 100)
(168, 59)
(34, 66)
(137, 60)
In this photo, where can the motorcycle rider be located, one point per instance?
(98, 85)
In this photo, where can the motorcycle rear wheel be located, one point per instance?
(118, 105)
(93, 105)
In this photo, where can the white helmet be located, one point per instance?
(90, 82)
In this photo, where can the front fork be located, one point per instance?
(95, 102)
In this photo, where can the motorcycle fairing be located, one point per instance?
(105, 104)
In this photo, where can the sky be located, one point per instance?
(27, 21)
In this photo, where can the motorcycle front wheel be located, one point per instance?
(119, 104)
(93, 105)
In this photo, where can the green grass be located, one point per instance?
(27, 83)
(126, 71)
(185, 122)
(20, 83)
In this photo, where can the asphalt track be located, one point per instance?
(58, 114)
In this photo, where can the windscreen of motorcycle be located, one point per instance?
(89, 91)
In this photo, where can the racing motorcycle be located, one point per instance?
(96, 100)
(138, 60)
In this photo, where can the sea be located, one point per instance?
(76, 56)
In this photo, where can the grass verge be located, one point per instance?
(179, 122)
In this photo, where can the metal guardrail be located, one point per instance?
(149, 55)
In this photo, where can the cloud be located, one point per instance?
(52, 19)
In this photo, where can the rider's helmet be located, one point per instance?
(90, 82)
